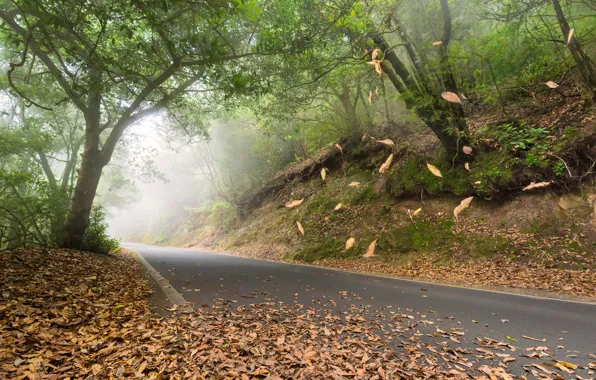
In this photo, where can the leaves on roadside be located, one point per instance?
(451, 97)
(538, 185)
(387, 164)
(350, 243)
(462, 206)
(370, 252)
(300, 228)
(294, 203)
(552, 84)
(433, 169)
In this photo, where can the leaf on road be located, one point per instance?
(300, 228)
(387, 164)
(534, 339)
(538, 185)
(462, 206)
(511, 338)
(433, 169)
(370, 252)
(294, 203)
(350, 243)
(451, 97)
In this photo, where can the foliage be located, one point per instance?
(96, 237)
(216, 213)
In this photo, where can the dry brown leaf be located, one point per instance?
(354, 184)
(467, 166)
(416, 212)
(370, 96)
(387, 142)
(387, 164)
(378, 66)
(462, 206)
(567, 364)
(323, 173)
(339, 147)
(437, 43)
(467, 150)
(370, 252)
(451, 97)
(552, 84)
(570, 35)
(375, 54)
(538, 185)
(294, 203)
(433, 169)
(350, 243)
(300, 228)
(337, 207)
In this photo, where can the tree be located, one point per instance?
(120, 61)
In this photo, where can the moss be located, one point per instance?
(492, 171)
(316, 249)
(420, 236)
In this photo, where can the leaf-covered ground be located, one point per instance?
(67, 314)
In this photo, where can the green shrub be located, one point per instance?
(96, 237)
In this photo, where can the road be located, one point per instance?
(567, 328)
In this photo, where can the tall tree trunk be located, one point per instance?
(581, 60)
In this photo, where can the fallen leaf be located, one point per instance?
(294, 203)
(552, 84)
(511, 338)
(534, 339)
(416, 212)
(350, 243)
(538, 185)
(387, 142)
(567, 364)
(323, 173)
(451, 97)
(370, 252)
(337, 207)
(436, 43)
(462, 206)
(433, 169)
(354, 184)
(467, 150)
(96, 368)
(570, 35)
(300, 228)
(387, 164)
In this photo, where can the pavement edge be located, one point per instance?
(175, 298)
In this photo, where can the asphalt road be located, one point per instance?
(213, 280)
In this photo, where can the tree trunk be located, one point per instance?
(581, 60)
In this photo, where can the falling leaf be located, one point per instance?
(477, 182)
(462, 206)
(467, 150)
(370, 252)
(350, 243)
(378, 66)
(570, 35)
(416, 212)
(387, 164)
(294, 203)
(339, 147)
(433, 169)
(505, 320)
(337, 207)
(467, 166)
(364, 137)
(370, 96)
(552, 84)
(538, 185)
(436, 43)
(300, 228)
(451, 97)
(375, 54)
(387, 142)
(354, 184)
(323, 173)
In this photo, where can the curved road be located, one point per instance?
(567, 328)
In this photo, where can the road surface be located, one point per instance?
(567, 328)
